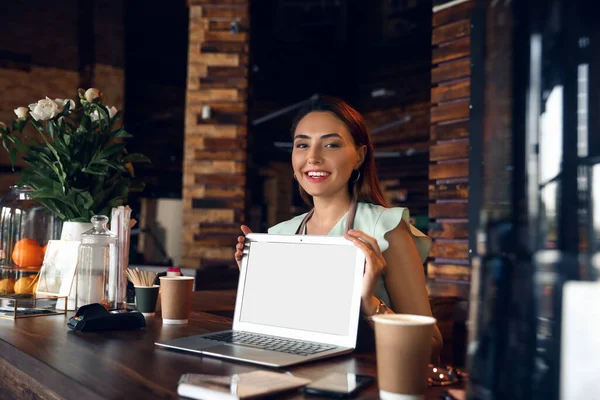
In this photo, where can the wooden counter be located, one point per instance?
(40, 358)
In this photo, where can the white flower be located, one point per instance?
(21, 112)
(95, 115)
(91, 94)
(111, 111)
(63, 102)
(44, 109)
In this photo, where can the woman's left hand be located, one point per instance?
(374, 261)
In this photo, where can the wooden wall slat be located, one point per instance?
(449, 230)
(200, 154)
(448, 191)
(218, 228)
(225, 36)
(226, 72)
(449, 271)
(213, 239)
(192, 217)
(448, 52)
(450, 249)
(449, 150)
(448, 210)
(449, 170)
(223, 47)
(210, 252)
(457, 69)
(222, 82)
(454, 130)
(451, 31)
(218, 9)
(216, 192)
(450, 111)
(209, 3)
(453, 14)
(225, 144)
(452, 91)
(212, 203)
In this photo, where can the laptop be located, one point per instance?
(298, 300)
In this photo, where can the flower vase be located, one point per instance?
(71, 231)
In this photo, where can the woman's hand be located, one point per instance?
(374, 266)
(239, 247)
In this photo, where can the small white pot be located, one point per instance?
(73, 230)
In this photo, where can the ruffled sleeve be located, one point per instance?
(389, 219)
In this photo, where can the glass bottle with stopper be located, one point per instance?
(98, 278)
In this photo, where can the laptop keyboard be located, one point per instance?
(272, 343)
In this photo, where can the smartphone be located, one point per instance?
(338, 385)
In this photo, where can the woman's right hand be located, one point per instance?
(239, 248)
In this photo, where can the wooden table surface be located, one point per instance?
(41, 358)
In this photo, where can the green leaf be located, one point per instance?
(54, 207)
(88, 199)
(136, 158)
(59, 167)
(19, 124)
(103, 112)
(51, 128)
(122, 134)
(94, 171)
(13, 157)
(111, 150)
(49, 193)
(22, 148)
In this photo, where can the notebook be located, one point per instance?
(298, 300)
(240, 386)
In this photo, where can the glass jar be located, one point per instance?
(97, 267)
(25, 229)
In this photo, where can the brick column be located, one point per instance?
(449, 134)
(214, 170)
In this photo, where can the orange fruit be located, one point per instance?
(7, 286)
(24, 285)
(45, 248)
(28, 253)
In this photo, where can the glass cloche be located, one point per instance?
(25, 229)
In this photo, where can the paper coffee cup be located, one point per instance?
(145, 299)
(403, 345)
(176, 298)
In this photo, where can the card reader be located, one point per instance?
(95, 318)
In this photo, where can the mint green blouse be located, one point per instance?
(375, 221)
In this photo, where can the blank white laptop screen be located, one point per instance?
(303, 287)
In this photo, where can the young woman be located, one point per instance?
(334, 165)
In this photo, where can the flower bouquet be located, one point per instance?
(77, 162)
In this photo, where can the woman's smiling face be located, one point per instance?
(324, 154)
